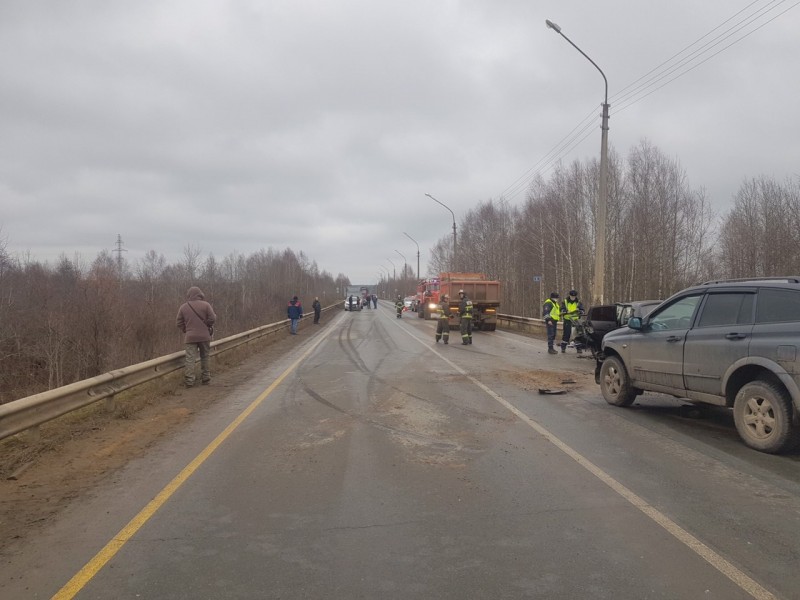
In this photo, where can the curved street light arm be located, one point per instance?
(557, 29)
(447, 207)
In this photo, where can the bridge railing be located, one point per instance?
(27, 414)
(522, 324)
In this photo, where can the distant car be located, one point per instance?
(408, 302)
(356, 304)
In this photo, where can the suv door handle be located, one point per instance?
(735, 336)
(674, 338)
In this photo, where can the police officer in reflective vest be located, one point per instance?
(443, 320)
(551, 313)
(465, 312)
(571, 311)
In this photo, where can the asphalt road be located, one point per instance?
(371, 463)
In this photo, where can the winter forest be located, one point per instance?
(72, 320)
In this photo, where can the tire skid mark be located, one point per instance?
(428, 440)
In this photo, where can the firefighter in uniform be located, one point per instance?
(443, 320)
(551, 313)
(571, 311)
(465, 312)
(398, 305)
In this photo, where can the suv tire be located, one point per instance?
(615, 383)
(763, 416)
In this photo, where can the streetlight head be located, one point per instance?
(551, 25)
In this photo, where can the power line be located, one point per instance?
(686, 64)
(671, 58)
(637, 92)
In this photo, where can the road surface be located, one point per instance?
(369, 462)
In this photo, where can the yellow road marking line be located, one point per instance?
(716, 560)
(90, 569)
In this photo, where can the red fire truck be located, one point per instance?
(427, 297)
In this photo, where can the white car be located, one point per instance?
(356, 304)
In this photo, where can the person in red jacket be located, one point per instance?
(196, 320)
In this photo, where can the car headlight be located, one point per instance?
(432, 306)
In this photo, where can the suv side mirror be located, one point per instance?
(635, 323)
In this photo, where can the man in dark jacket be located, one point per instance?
(317, 310)
(196, 319)
(295, 313)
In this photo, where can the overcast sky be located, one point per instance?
(320, 125)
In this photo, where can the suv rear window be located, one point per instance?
(727, 309)
(777, 306)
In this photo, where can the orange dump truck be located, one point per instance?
(484, 293)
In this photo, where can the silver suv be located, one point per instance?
(730, 343)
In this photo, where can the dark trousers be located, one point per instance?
(443, 330)
(566, 334)
(552, 328)
(316, 316)
(466, 331)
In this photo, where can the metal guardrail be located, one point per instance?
(523, 324)
(31, 412)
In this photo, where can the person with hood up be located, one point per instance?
(196, 320)
(317, 310)
(295, 313)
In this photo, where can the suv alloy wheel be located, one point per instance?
(763, 416)
(615, 383)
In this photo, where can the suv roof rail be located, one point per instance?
(743, 279)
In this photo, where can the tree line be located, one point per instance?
(72, 320)
(662, 235)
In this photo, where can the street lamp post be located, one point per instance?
(454, 227)
(602, 201)
(405, 263)
(415, 241)
(387, 278)
(394, 275)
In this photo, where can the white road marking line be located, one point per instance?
(745, 582)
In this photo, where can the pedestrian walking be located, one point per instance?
(196, 320)
(551, 313)
(295, 312)
(317, 310)
(443, 320)
(465, 312)
(374, 301)
(571, 310)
